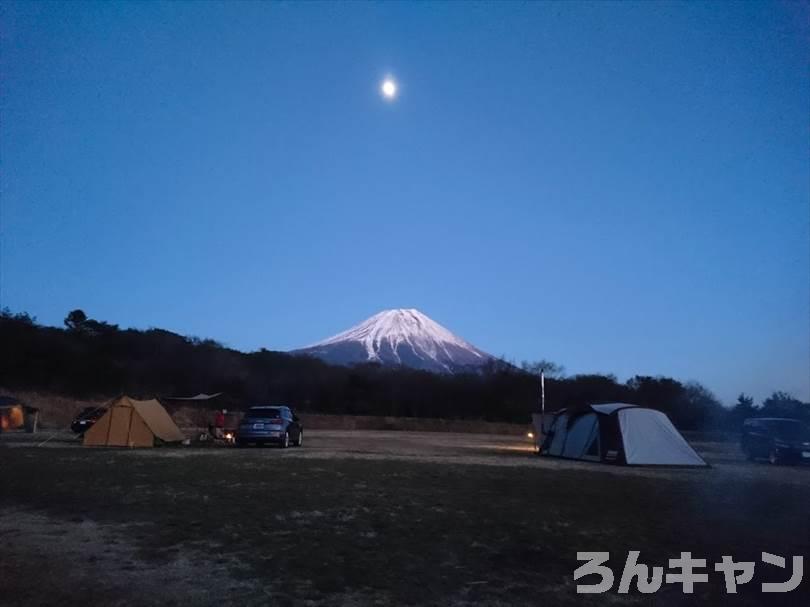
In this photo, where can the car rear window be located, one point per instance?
(92, 411)
(263, 413)
(790, 430)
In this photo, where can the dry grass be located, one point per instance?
(383, 518)
(409, 424)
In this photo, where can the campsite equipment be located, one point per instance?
(133, 423)
(11, 418)
(617, 433)
(12, 414)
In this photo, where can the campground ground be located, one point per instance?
(375, 518)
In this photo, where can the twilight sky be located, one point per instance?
(619, 188)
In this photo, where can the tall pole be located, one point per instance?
(543, 401)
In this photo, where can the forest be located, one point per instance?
(92, 358)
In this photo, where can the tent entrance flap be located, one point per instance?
(650, 438)
(557, 433)
(580, 436)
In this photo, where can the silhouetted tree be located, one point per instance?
(742, 410)
(783, 404)
(75, 319)
(20, 317)
(745, 403)
(698, 408)
(551, 369)
(96, 358)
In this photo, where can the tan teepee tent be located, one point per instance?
(133, 423)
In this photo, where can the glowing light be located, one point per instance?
(389, 88)
(530, 434)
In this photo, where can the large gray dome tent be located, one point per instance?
(616, 433)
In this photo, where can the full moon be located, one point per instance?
(389, 88)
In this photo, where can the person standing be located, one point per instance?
(219, 423)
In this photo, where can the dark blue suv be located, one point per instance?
(778, 440)
(270, 424)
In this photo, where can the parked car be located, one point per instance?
(270, 424)
(86, 418)
(779, 440)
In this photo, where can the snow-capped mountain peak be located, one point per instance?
(400, 337)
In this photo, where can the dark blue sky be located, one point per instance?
(620, 188)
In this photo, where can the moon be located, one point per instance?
(388, 88)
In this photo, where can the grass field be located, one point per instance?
(358, 520)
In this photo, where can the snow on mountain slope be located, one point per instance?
(399, 337)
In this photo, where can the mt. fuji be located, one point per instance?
(399, 337)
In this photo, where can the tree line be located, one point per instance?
(92, 358)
